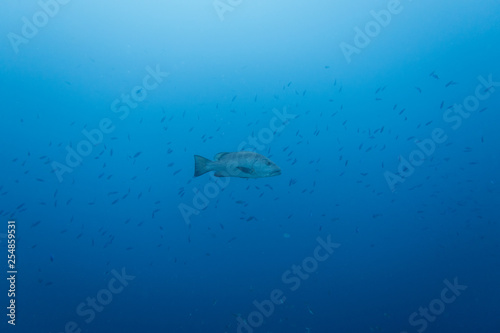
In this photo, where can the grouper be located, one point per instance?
(243, 164)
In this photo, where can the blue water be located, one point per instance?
(382, 116)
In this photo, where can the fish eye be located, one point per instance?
(268, 163)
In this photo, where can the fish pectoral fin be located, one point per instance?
(246, 170)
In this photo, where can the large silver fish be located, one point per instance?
(243, 164)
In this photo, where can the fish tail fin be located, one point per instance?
(201, 165)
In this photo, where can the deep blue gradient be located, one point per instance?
(375, 152)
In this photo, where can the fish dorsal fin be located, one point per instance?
(246, 170)
(219, 156)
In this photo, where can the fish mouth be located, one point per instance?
(276, 173)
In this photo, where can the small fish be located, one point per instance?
(230, 240)
(243, 164)
(434, 75)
